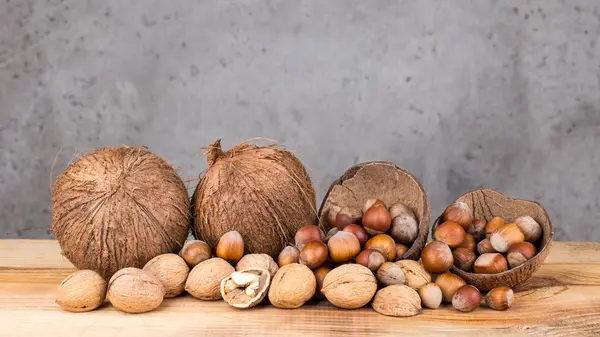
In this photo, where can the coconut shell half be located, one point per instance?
(486, 204)
(387, 182)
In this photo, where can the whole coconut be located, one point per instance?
(119, 207)
(264, 193)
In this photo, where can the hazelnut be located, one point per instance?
(490, 263)
(530, 228)
(347, 216)
(358, 231)
(500, 298)
(404, 228)
(383, 243)
(460, 213)
(204, 281)
(377, 219)
(288, 255)
(437, 257)
(349, 286)
(484, 246)
(400, 250)
(135, 291)
(450, 233)
(332, 215)
(293, 285)
(492, 225)
(371, 258)
(449, 284)
(431, 295)
(245, 288)
(477, 229)
(390, 273)
(463, 258)
(320, 274)
(343, 246)
(314, 254)
(230, 247)
(506, 236)
(467, 298)
(414, 273)
(372, 202)
(397, 300)
(81, 291)
(519, 253)
(468, 243)
(399, 209)
(306, 234)
(258, 261)
(194, 252)
(171, 270)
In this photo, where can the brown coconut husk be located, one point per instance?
(387, 182)
(119, 207)
(487, 204)
(264, 193)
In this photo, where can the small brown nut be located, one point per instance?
(415, 274)
(504, 237)
(231, 247)
(400, 250)
(307, 234)
(404, 227)
(320, 274)
(171, 270)
(288, 255)
(390, 273)
(371, 258)
(431, 295)
(492, 225)
(500, 298)
(258, 261)
(490, 263)
(463, 258)
(349, 286)
(293, 285)
(347, 216)
(135, 291)
(358, 231)
(449, 284)
(383, 243)
(397, 300)
(245, 288)
(83, 290)
(484, 246)
(195, 251)
(450, 233)
(468, 243)
(314, 254)
(530, 228)
(377, 219)
(460, 213)
(343, 246)
(204, 281)
(467, 298)
(477, 229)
(520, 253)
(437, 257)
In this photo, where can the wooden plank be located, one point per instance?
(563, 298)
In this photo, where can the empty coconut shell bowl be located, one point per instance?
(496, 241)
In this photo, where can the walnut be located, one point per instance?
(133, 290)
(204, 281)
(261, 261)
(414, 273)
(83, 290)
(245, 288)
(171, 270)
(292, 286)
(349, 286)
(397, 300)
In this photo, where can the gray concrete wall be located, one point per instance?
(466, 94)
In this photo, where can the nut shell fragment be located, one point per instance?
(260, 261)
(250, 291)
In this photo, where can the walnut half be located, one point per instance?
(245, 288)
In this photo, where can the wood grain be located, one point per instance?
(561, 299)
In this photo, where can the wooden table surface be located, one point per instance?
(562, 299)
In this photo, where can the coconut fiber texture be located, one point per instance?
(119, 207)
(264, 193)
(387, 182)
(486, 204)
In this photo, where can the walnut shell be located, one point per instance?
(246, 295)
(134, 291)
(83, 290)
(414, 273)
(171, 270)
(293, 285)
(204, 281)
(397, 300)
(260, 261)
(349, 286)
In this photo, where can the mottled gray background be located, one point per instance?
(464, 94)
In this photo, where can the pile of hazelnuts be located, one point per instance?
(480, 247)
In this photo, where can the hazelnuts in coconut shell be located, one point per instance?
(119, 207)
(384, 181)
(264, 193)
